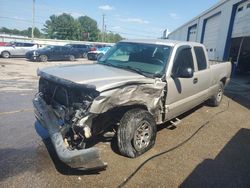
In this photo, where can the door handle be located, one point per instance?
(195, 80)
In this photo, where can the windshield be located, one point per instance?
(147, 59)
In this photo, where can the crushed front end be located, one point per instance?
(62, 108)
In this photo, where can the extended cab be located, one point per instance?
(136, 85)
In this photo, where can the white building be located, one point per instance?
(224, 29)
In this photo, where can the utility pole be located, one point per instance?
(103, 26)
(33, 21)
(105, 31)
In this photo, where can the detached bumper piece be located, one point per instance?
(85, 159)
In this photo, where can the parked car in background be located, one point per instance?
(94, 55)
(82, 48)
(3, 43)
(17, 49)
(53, 53)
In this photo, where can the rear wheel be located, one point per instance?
(71, 57)
(136, 133)
(43, 58)
(84, 55)
(5, 54)
(216, 99)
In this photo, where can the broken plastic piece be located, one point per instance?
(85, 159)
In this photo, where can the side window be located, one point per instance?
(28, 44)
(201, 58)
(18, 44)
(183, 60)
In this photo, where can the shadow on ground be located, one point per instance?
(239, 89)
(17, 161)
(231, 168)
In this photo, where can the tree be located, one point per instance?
(26, 32)
(110, 37)
(63, 27)
(89, 29)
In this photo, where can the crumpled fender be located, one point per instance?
(149, 95)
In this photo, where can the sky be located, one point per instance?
(129, 18)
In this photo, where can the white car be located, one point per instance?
(17, 49)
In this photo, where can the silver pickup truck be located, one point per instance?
(136, 85)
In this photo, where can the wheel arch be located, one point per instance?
(6, 51)
(223, 80)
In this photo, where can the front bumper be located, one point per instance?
(92, 56)
(31, 57)
(85, 159)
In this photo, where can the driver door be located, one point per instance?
(181, 90)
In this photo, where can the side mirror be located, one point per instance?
(186, 73)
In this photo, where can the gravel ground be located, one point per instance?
(217, 156)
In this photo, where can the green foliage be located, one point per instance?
(83, 28)
(66, 27)
(112, 37)
(89, 29)
(63, 27)
(26, 32)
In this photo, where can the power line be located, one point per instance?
(19, 19)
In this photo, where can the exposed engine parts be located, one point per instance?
(72, 111)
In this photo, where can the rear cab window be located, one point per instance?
(200, 57)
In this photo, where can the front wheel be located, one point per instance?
(5, 54)
(216, 99)
(136, 133)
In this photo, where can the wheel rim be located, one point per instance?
(43, 58)
(5, 54)
(142, 136)
(219, 95)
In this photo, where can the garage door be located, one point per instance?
(241, 26)
(211, 33)
(192, 33)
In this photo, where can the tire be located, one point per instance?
(216, 99)
(140, 124)
(5, 54)
(84, 55)
(71, 57)
(43, 58)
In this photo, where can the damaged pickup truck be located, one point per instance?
(136, 85)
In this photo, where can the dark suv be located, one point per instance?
(82, 48)
(53, 53)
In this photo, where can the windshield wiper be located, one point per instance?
(127, 67)
(137, 70)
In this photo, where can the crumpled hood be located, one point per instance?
(101, 77)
